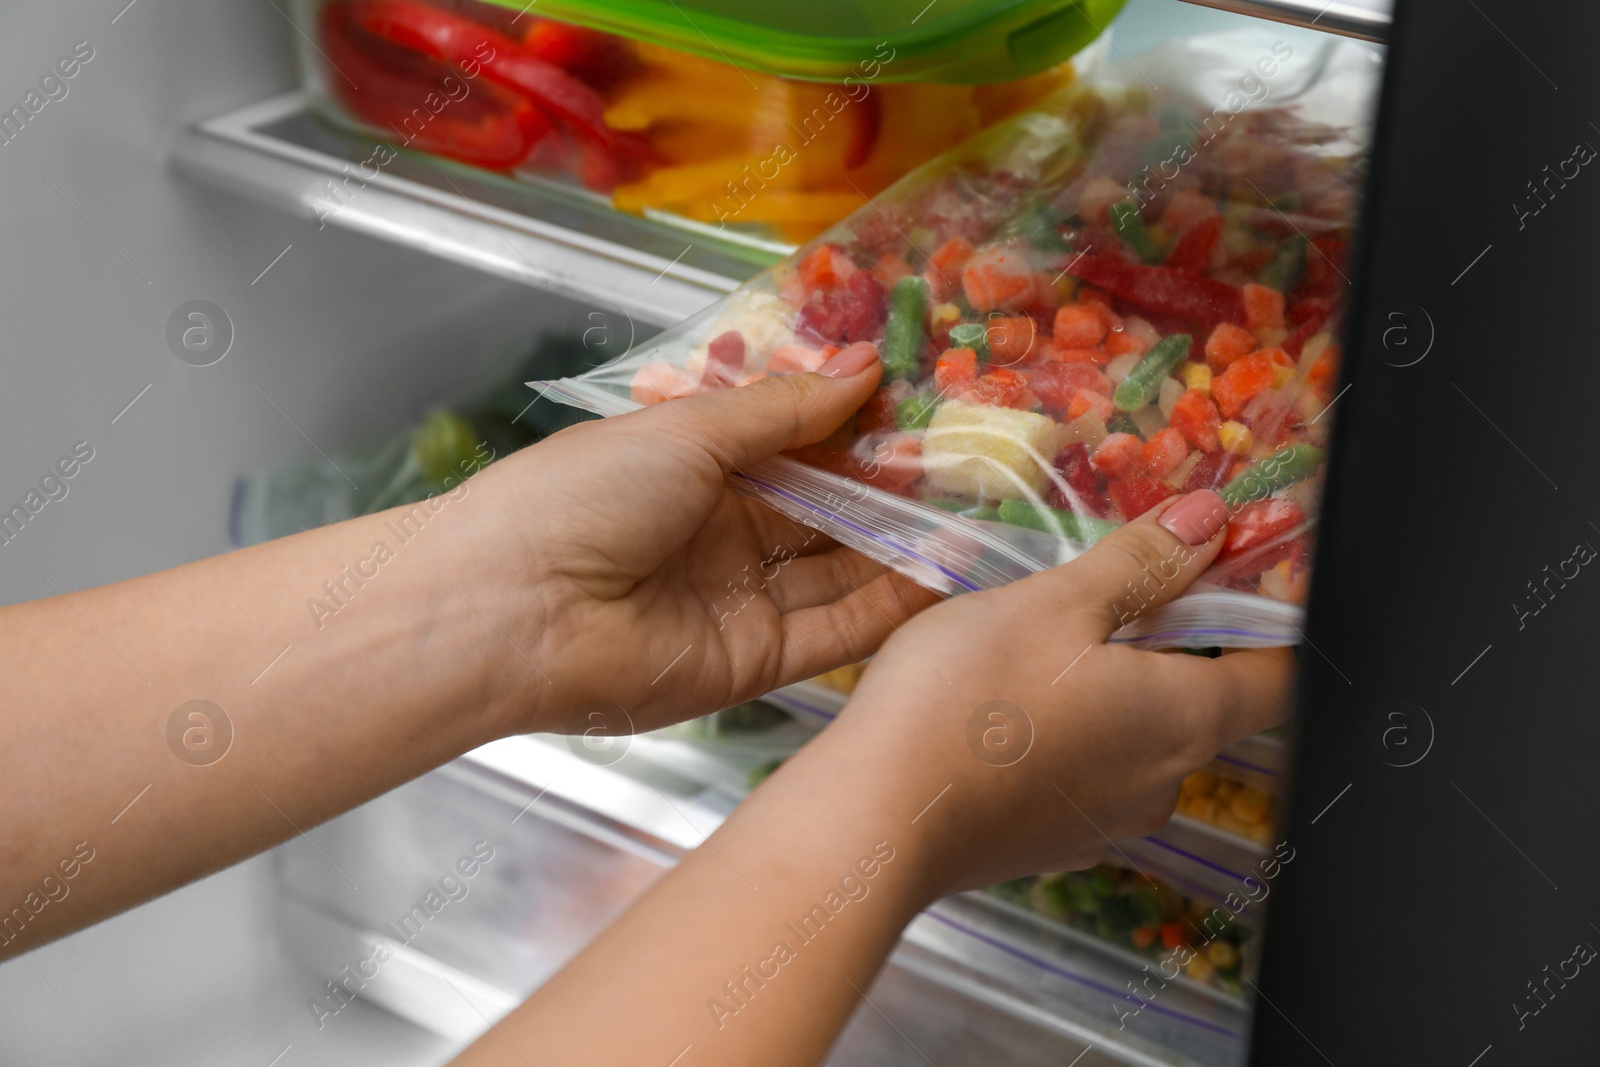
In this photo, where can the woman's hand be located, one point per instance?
(994, 736)
(1052, 742)
(662, 593)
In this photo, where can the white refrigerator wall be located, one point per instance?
(102, 241)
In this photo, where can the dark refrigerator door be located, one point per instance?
(1441, 900)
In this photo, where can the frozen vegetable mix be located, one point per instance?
(1127, 294)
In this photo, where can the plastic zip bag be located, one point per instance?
(1131, 292)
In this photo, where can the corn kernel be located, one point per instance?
(1281, 375)
(1159, 235)
(1236, 438)
(1197, 376)
(1066, 287)
(944, 314)
(1223, 955)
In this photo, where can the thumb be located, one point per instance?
(1148, 562)
(753, 422)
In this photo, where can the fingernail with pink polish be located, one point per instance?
(850, 362)
(1197, 518)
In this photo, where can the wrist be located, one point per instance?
(851, 776)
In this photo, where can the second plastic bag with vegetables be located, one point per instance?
(1134, 292)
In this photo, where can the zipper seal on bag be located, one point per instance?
(1200, 618)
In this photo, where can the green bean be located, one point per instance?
(903, 332)
(1143, 383)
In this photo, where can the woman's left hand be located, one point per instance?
(660, 592)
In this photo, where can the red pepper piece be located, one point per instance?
(1209, 473)
(390, 88)
(1075, 469)
(1308, 317)
(867, 115)
(449, 38)
(1195, 299)
(724, 360)
(1136, 494)
(1192, 254)
(851, 312)
(1257, 525)
(1057, 384)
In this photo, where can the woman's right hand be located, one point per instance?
(1019, 741)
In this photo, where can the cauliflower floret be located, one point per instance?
(991, 453)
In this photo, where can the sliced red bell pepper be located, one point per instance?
(867, 114)
(452, 39)
(1193, 251)
(1199, 300)
(392, 88)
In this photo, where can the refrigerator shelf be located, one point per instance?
(548, 235)
(1043, 995)
(1366, 20)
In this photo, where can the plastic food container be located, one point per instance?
(1233, 798)
(828, 103)
(1156, 921)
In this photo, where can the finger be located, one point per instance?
(806, 582)
(850, 629)
(743, 426)
(1239, 694)
(780, 536)
(1146, 563)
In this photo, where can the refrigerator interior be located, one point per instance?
(178, 169)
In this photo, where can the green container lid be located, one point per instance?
(962, 42)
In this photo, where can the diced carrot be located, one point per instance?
(1226, 344)
(1263, 307)
(1091, 402)
(655, 382)
(1278, 356)
(998, 280)
(1121, 342)
(794, 359)
(826, 267)
(955, 370)
(1003, 388)
(889, 269)
(1324, 372)
(1196, 417)
(1163, 452)
(1011, 340)
(1241, 382)
(1186, 208)
(1101, 305)
(1078, 326)
(952, 254)
(1119, 454)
